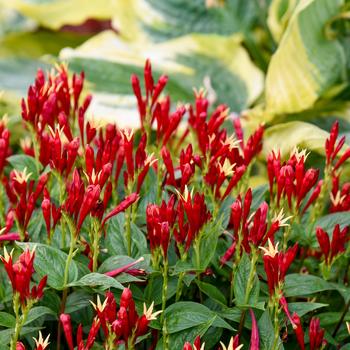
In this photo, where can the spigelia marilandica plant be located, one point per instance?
(165, 230)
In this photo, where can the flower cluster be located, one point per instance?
(185, 214)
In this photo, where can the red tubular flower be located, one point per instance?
(125, 324)
(169, 166)
(298, 329)
(276, 264)
(20, 346)
(126, 268)
(196, 345)
(20, 275)
(324, 242)
(4, 145)
(197, 216)
(316, 334)
(331, 249)
(91, 196)
(253, 146)
(254, 338)
(129, 200)
(41, 343)
(160, 220)
(239, 171)
(68, 332)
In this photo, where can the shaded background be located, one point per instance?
(281, 62)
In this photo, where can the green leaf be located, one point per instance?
(54, 14)
(187, 314)
(286, 136)
(192, 60)
(139, 242)
(51, 261)
(153, 291)
(208, 242)
(259, 194)
(95, 279)
(115, 262)
(22, 161)
(7, 320)
(266, 332)
(77, 300)
(225, 211)
(212, 292)
(302, 308)
(296, 76)
(37, 312)
(279, 14)
(175, 18)
(241, 283)
(115, 240)
(299, 285)
(5, 335)
(177, 340)
(328, 222)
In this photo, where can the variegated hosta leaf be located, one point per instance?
(306, 63)
(174, 18)
(286, 136)
(220, 64)
(55, 13)
(11, 21)
(279, 14)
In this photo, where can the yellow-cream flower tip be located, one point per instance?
(7, 256)
(187, 194)
(230, 345)
(128, 133)
(41, 341)
(299, 154)
(150, 159)
(22, 176)
(99, 306)
(271, 250)
(232, 142)
(25, 142)
(141, 258)
(202, 92)
(337, 199)
(2, 230)
(150, 315)
(348, 326)
(227, 167)
(5, 118)
(202, 347)
(57, 129)
(94, 176)
(281, 219)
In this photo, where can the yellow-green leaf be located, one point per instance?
(286, 136)
(306, 63)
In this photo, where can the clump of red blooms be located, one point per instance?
(20, 275)
(85, 172)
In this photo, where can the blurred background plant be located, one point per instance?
(282, 62)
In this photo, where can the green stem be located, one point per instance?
(66, 277)
(251, 276)
(128, 219)
(62, 194)
(2, 206)
(198, 262)
(179, 286)
(320, 201)
(96, 233)
(20, 319)
(35, 146)
(164, 299)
